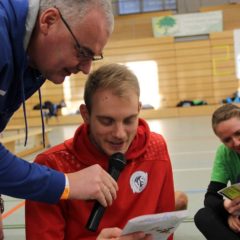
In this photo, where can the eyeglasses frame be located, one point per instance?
(82, 51)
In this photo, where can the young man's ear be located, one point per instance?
(47, 18)
(84, 113)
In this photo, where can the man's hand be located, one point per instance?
(93, 183)
(115, 234)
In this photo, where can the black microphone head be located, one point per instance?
(117, 161)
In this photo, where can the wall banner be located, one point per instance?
(187, 24)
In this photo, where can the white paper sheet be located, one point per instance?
(161, 225)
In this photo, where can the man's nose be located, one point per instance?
(85, 66)
(119, 131)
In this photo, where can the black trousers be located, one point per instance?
(212, 226)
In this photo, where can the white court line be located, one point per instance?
(194, 152)
(192, 169)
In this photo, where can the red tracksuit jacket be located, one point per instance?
(145, 187)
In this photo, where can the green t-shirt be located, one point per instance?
(226, 166)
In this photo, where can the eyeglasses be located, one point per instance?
(83, 53)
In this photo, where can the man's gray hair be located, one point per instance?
(75, 10)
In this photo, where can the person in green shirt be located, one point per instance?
(220, 219)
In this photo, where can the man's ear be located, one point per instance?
(84, 113)
(47, 18)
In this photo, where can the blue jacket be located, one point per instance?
(18, 82)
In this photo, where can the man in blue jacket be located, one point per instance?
(49, 39)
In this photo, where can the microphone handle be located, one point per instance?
(95, 217)
(98, 210)
(114, 173)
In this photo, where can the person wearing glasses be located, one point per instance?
(111, 124)
(49, 39)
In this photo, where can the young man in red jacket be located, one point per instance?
(111, 124)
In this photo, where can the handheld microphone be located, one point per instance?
(117, 162)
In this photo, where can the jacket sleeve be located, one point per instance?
(167, 198)
(167, 194)
(21, 179)
(44, 221)
(214, 200)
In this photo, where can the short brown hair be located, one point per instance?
(115, 77)
(223, 113)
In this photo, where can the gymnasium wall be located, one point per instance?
(197, 69)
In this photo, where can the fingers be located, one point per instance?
(103, 196)
(110, 184)
(109, 194)
(136, 236)
(233, 207)
(115, 234)
(107, 191)
(93, 183)
(234, 223)
(109, 233)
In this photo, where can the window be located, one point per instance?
(138, 6)
(126, 7)
(170, 5)
(147, 74)
(71, 102)
(153, 5)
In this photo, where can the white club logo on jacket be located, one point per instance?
(138, 181)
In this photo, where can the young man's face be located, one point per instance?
(229, 133)
(113, 121)
(57, 56)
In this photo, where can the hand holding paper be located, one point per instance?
(231, 192)
(160, 226)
